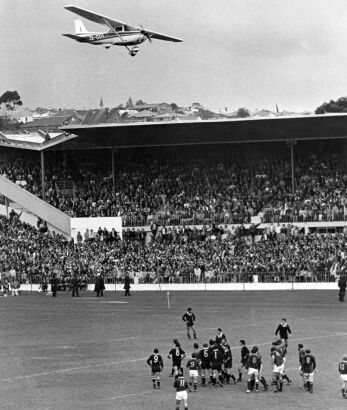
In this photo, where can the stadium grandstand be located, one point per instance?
(213, 201)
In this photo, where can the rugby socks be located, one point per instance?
(257, 387)
(240, 377)
(195, 386)
(285, 377)
(343, 391)
(252, 384)
(158, 383)
(263, 382)
(214, 380)
(249, 387)
(194, 335)
(233, 377)
(220, 378)
(153, 381)
(281, 385)
(203, 379)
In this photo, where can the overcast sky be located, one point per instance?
(235, 53)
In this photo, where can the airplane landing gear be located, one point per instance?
(133, 51)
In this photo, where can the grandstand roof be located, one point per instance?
(166, 133)
(192, 132)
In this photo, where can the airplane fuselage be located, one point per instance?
(128, 38)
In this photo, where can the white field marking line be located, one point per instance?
(129, 395)
(69, 369)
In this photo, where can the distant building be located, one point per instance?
(103, 116)
(52, 124)
(16, 116)
(160, 108)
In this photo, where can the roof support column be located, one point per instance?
(291, 145)
(113, 176)
(43, 174)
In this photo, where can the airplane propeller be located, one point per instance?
(145, 33)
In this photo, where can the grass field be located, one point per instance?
(90, 353)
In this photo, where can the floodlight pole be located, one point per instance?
(43, 174)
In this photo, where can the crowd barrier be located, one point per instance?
(165, 287)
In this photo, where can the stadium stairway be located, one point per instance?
(56, 219)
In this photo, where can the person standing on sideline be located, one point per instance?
(99, 285)
(54, 286)
(343, 375)
(75, 284)
(127, 285)
(342, 286)
(189, 318)
(283, 329)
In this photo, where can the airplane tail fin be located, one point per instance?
(79, 27)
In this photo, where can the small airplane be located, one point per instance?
(119, 34)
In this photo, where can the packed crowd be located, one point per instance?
(228, 184)
(179, 255)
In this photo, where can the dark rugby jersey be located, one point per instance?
(193, 364)
(180, 384)
(302, 353)
(343, 367)
(283, 330)
(254, 361)
(176, 354)
(155, 361)
(277, 358)
(308, 363)
(216, 354)
(220, 338)
(204, 355)
(244, 354)
(189, 318)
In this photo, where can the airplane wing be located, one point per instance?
(96, 18)
(72, 36)
(159, 36)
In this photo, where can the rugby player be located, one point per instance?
(308, 366)
(181, 387)
(176, 354)
(189, 318)
(343, 375)
(277, 368)
(216, 356)
(193, 370)
(204, 358)
(244, 358)
(283, 329)
(156, 362)
(253, 365)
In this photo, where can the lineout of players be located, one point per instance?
(213, 364)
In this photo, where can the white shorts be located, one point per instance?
(343, 377)
(193, 373)
(278, 369)
(182, 395)
(252, 371)
(309, 377)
